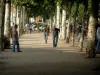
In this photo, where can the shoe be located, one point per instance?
(46, 41)
(55, 46)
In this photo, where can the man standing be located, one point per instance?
(55, 32)
(15, 39)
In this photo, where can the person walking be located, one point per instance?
(30, 28)
(46, 33)
(79, 31)
(98, 42)
(55, 32)
(26, 27)
(15, 39)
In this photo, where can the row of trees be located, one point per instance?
(7, 7)
(4, 22)
(58, 11)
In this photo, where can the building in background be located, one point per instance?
(38, 19)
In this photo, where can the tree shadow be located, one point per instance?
(92, 65)
(3, 65)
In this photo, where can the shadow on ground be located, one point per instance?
(47, 61)
(2, 64)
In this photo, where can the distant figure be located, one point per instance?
(26, 27)
(96, 27)
(79, 29)
(15, 39)
(98, 42)
(70, 29)
(55, 32)
(46, 33)
(30, 28)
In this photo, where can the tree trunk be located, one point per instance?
(91, 28)
(20, 21)
(54, 19)
(63, 31)
(68, 29)
(2, 17)
(74, 23)
(82, 35)
(12, 20)
(16, 14)
(58, 16)
(23, 19)
(83, 26)
(51, 22)
(7, 29)
(27, 17)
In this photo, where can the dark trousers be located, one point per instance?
(98, 46)
(15, 43)
(55, 40)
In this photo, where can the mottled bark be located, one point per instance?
(69, 22)
(54, 19)
(82, 35)
(51, 22)
(91, 28)
(26, 17)
(83, 25)
(7, 29)
(16, 14)
(20, 21)
(23, 18)
(74, 23)
(2, 17)
(63, 25)
(58, 16)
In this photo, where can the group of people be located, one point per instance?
(15, 38)
(55, 34)
(28, 28)
(97, 37)
(78, 31)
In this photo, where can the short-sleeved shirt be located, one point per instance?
(46, 29)
(14, 34)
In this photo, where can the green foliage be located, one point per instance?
(80, 12)
(73, 9)
(37, 7)
(89, 6)
(46, 8)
